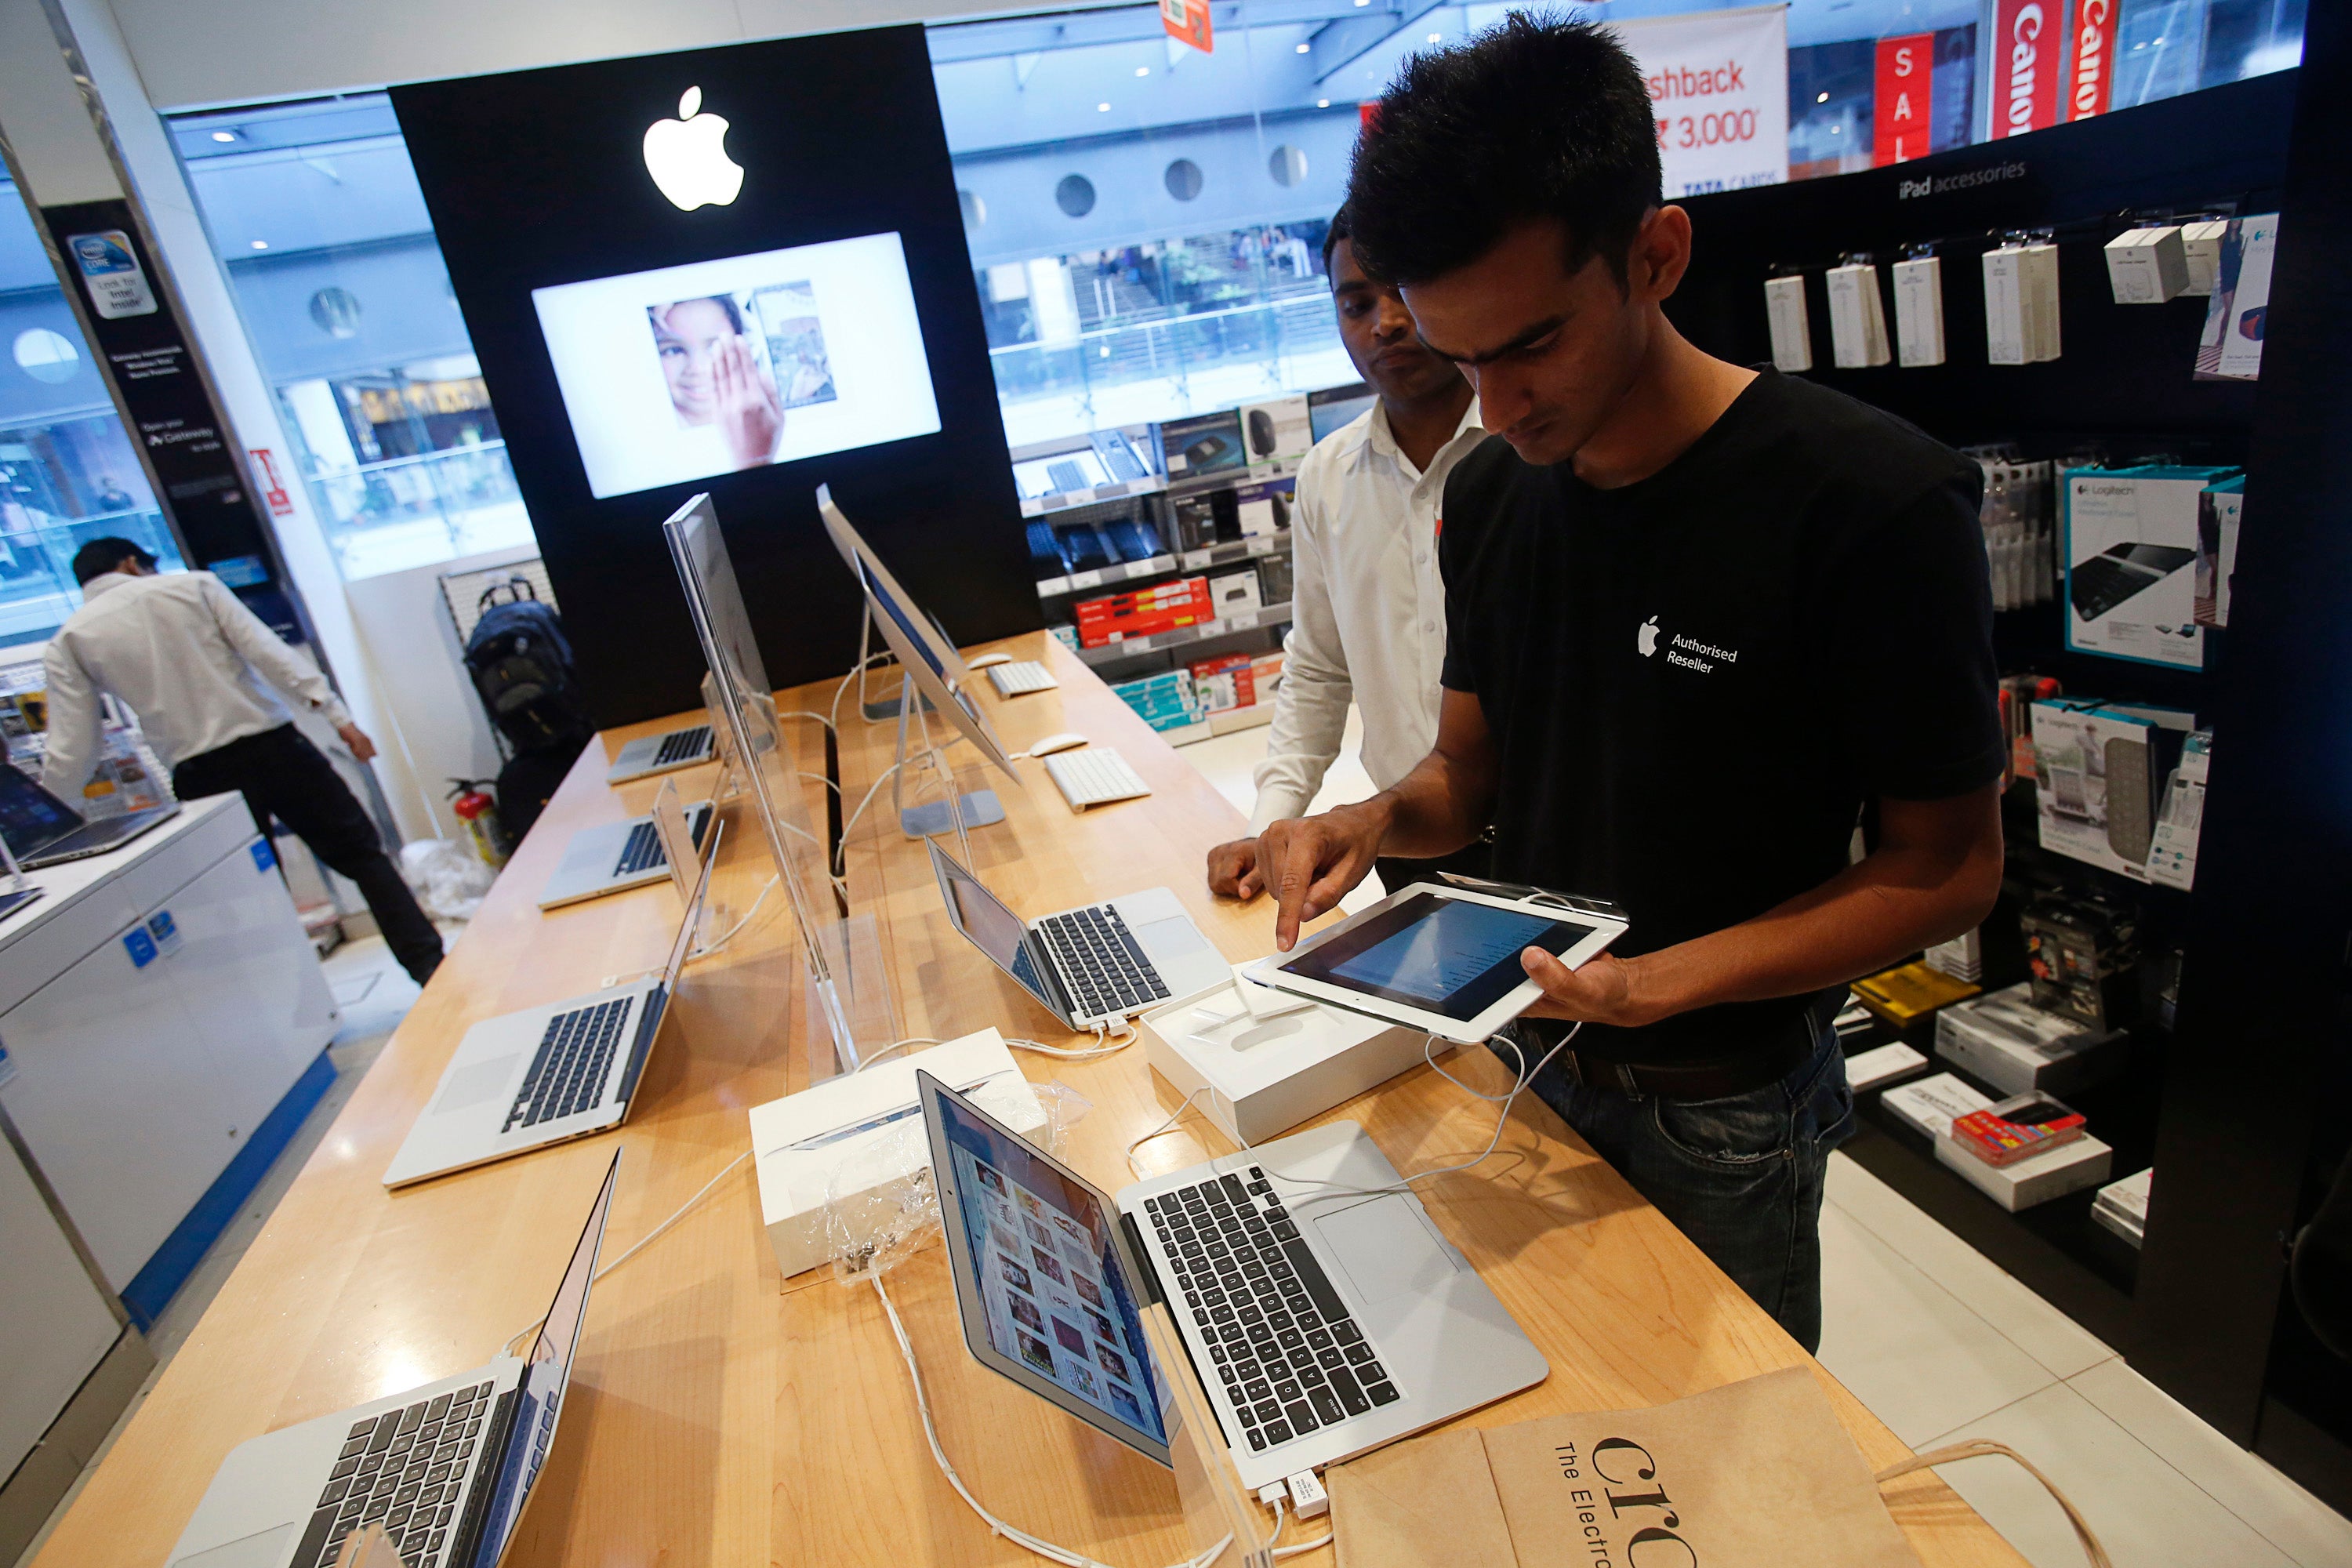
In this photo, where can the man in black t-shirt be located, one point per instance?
(1704, 622)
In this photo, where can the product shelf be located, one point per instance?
(1184, 637)
(1230, 553)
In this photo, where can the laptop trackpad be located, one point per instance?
(472, 1086)
(1175, 937)
(1384, 1248)
(265, 1550)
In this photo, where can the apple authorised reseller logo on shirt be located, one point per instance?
(687, 157)
(1646, 636)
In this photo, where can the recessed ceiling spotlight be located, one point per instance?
(223, 135)
(1436, 37)
(1143, 70)
(1305, 48)
(1821, 98)
(1322, 103)
(1102, 108)
(260, 245)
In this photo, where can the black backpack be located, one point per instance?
(521, 666)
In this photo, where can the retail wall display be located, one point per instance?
(2130, 540)
(2231, 346)
(820, 327)
(1857, 317)
(1919, 311)
(2021, 317)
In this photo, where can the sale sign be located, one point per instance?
(2028, 43)
(1718, 86)
(2090, 66)
(1905, 69)
(1187, 21)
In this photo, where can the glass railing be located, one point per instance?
(1140, 370)
(37, 549)
(406, 512)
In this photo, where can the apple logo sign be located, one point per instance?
(687, 157)
(1646, 636)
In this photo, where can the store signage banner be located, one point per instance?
(1719, 88)
(1188, 22)
(1902, 97)
(2090, 65)
(2027, 44)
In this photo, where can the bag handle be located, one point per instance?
(1977, 1448)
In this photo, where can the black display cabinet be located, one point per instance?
(2229, 1093)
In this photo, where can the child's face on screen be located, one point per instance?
(688, 335)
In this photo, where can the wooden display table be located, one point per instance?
(722, 1416)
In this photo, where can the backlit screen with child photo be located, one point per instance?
(719, 366)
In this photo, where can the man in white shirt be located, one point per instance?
(198, 668)
(1368, 608)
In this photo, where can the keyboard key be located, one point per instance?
(1277, 1432)
(1330, 1358)
(1256, 1438)
(1346, 1331)
(385, 1433)
(1287, 1389)
(412, 1418)
(1382, 1393)
(343, 1469)
(361, 1428)
(1301, 1416)
(1256, 1390)
(1267, 1410)
(1350, 1394)
(334, 1492)
(438, 1409)
(1359, 1354)
(1319, 1339)
(1371, 1372)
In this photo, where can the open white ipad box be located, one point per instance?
(1258, 1077)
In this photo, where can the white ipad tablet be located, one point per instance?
(1441, 959)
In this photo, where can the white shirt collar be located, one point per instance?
(1377, 435)
(104, 583)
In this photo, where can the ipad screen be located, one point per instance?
(1449, 956)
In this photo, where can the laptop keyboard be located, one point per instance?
(1101, 963)
(404, 1469)
(1095, 776)
(641, 852)
(1291, 1358)
(568, 1072)
(678, 746)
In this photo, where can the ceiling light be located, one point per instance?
(223, 135)
(1361, 4)
(1305, 48)
(1821, 98)
(1322, 103)
(1102, 108)
(1837, 130)
(1436, 37)
(260, 245)
(1143, 70)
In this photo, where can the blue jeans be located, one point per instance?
(1741, 1176)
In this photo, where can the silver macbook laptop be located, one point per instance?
(43, 830)
(1322, 1311)
(1097, 965)
(545, 1075)
(649, 754)
(447, 1469)
(615, 857)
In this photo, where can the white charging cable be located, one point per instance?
(715, 944)
(996, 1526)
(1105, 1043)
(1278, 1551)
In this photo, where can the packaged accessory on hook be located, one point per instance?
(880, 1203)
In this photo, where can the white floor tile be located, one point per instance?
(1909, 1349)
(2146, 1513)
(2033, 1324)
(2291, 1519)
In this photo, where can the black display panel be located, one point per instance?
(537, 180)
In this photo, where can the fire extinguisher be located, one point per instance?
(480, 813)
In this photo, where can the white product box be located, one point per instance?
(1962, 958)
(2201, 252)
(2122, 1205)
(795, 1183)
(1857, 317)
(1234, 593)
(2241, 328)
(2221, 518)
(2006, 1041)
(2020, 284)
(2148, 266)
(2037, 1178)
(1919, 311)
(1263, 1077)
(1792, 331)
(2172, 851)
(2095, 785)
(1882, 1065)
(1930, 1105)
(2129, 540)
(1277, 431)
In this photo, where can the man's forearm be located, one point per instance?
(1436, 809)
(1869, 915)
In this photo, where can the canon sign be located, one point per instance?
(2091, 74)
(2025, 93)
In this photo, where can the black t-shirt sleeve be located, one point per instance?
(1459, 512)
(1908, 618)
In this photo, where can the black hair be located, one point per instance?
(1343, 227)
(1536, 118)
(724, 302)
(100, 556)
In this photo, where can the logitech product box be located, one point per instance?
(2129, 540)
(2098, 771)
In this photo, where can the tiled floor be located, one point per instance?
(1937, 1341)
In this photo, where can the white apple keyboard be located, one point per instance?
(1096, 777)
(1019, 677)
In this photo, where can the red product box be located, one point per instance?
(2041, 1123)
(1163, 607)
(1225, 682)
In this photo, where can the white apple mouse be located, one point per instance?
(988, 660)
(1052, 743)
